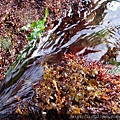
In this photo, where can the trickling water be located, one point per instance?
(92, 32)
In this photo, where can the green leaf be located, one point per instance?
(114, 62)
(46, 12)
(37, 28)
(32, 25)
(102, 33)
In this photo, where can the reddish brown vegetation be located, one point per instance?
(75, 86)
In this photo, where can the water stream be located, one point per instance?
(92, 32)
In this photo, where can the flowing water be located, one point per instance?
(92, 32)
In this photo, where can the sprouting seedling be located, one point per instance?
(37, 27)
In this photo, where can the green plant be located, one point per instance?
(37, 27)
(102, 33)
(21, 62)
